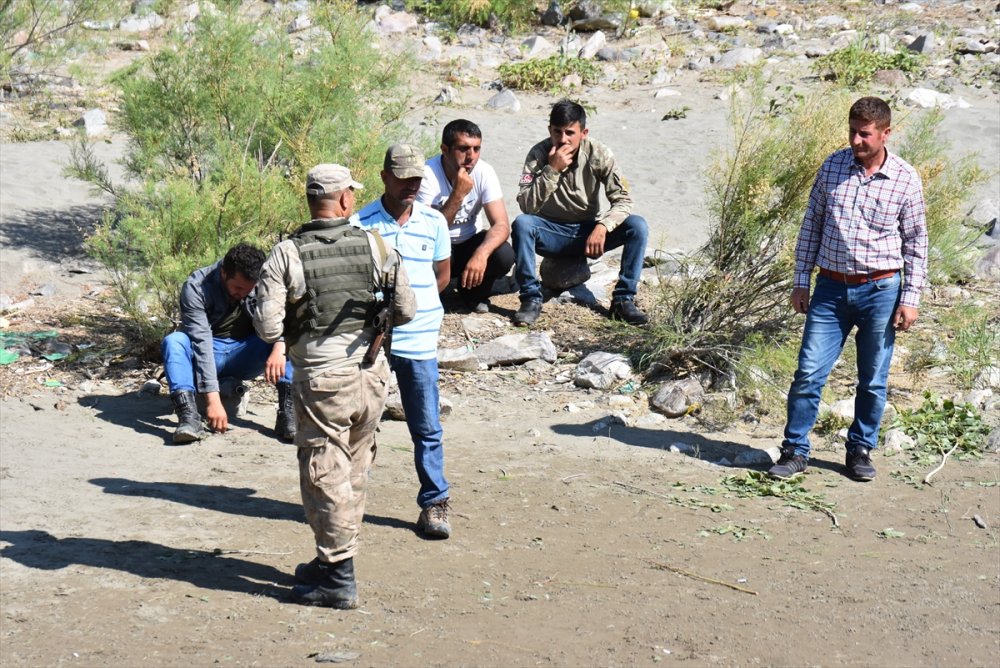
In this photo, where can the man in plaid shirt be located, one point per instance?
(865, 222)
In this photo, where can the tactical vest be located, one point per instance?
(340, 292)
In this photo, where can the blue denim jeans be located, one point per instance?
(834, 310)
(531, 235)
(418, 390)
(243, 360)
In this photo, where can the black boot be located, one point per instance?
(336, 589)
(189, 421)
(286, 425)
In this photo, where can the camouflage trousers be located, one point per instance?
(337, 416)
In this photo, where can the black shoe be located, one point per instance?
(789, 465)
(528, 313)
(626, 311)
(311, 573)
(285, 425)
(859, 464)
(336, 589)
(188, 420)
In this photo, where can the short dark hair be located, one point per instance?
(566, 112)
(459, 126)
(245, 259)
(871, 110)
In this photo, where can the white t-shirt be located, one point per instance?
(435, 189)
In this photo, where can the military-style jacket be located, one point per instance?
(573, 196)
(285, 286)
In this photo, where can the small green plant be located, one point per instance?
(736, 532)
(975, 342)
(510, 14)
(758, 484)
(676, 114)
(940, 425)
(547, 74)
(829, 423)
(858, 62)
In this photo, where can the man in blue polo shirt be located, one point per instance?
(420, 234)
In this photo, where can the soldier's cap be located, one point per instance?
(404, 161)
(327, 179)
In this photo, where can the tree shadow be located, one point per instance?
(52, 234)
(201, 568)
(723, 453)
(231, 500)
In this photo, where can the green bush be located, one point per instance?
(547, 74)
(38, 34)
(511, 14)
(948, 186)
(858, 63)
(222, 127)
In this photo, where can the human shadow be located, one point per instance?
(201, 568)
(52, 234)
(219, 498)
(724, 453)
(147, 414)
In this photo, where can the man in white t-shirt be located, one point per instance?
(460, 185)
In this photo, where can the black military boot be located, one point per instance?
(189, 421)
(336, 588)
(286, 425)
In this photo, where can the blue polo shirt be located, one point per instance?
(422, 241)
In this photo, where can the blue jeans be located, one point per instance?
(418, 390)
(534, 234)
(243, 359)
(834, 310)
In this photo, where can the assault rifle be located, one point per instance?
(382, 321)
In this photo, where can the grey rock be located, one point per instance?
(99, 25)
(889, 414)
(843, 408)
(968, 45)
(953, 293)
(722, 23)
(537, 46)
(831, 22)
(891, 78)
(388, 22)
(979, 398)
(925, 98)
(988, 266)
(300, 23)
(447, 95)
(151, 387)
(602, 371)
(816, 49)
(469, 35)
(46, 290)
(984, 213)
(607, 54)
(432, 48)
(458, 359)
(607, 22)
(683, 448)
(595, 43)
(740, 57)
(147, 23)
(673, 398)
(505, 100)
(699, 63)
(993, 441)
(559, 273)
(585, 9)
(896, 441)
(884, 44)
(654, 9)
(925, 43)
(553, 16)
(93, 122)
(517, 349)
(988, 378)
(394, 407)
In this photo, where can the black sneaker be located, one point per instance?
(625, 310)
(528, 313)
(859, 464)
(789, 465)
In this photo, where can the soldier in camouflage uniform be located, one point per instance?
(560, 196)
(321, 288)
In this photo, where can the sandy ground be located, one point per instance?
(117, 548)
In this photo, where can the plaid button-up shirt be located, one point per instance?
(857, 224)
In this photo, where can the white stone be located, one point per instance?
(300, 23)
(896, 441)
(432, 48)
(133, 23)
(739, 57)
(390, 23)
(458, 359)
(979, 398)
(925, 98)
(666, 92)
(988, 266)
(987, 378)
(93, 122)
(517, 349)
(753, 457)
(682, 448)
(831, 22)
(537, 46)
(594, 44)
(602, 371)
(843, 408)
(721, 23)
(505, 100)
(911, 7)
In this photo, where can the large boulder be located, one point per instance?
(561, 273)
(675, 397)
